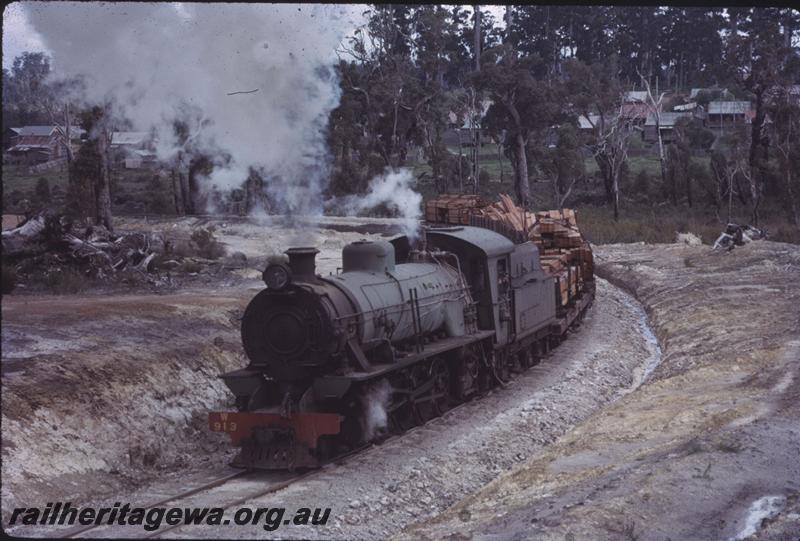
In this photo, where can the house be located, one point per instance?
(636, 112)
(588, 123)
(592, 122)
(461, 131)
(134, 149)
(634, 96)
(32, 145)
(723, 93)
(722, 114)
(697, 110)
(686, 107)
(140, 159)
(129, 139)
(666, 124)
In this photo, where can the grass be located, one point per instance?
(130, 190)
(641, 219)
(16, 177)
(651, 221)
(660, 224)
(66, 280)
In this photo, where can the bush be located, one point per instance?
(42, 190)
(66, 280)
(121, 197)
(702, 138)
(16, 196)
(641, 185)
(208, 247)
(9, 279)
(157, 202)
(188, 267)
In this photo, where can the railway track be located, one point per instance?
(276, 481)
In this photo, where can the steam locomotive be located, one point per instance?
(398, 336)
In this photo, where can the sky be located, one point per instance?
(19, 35)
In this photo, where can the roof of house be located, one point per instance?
(634, 95)
(588, 123)
(31, 142)
(34, 130)
(634, 110)
(467, 124)
(728, 107)
(46, 131)
(666, 120)
(129, 137)
(695, 91)
(691, 106)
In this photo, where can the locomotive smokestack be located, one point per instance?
(301, 261)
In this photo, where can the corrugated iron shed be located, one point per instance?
(43, 131)
(666, 120)
(129, 137)
(728, 107)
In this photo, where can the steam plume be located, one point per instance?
(375, 401)
(157, 62)
(395, 190)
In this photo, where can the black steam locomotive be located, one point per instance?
(397, 337)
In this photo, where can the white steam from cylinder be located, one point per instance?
(375, 401)
(394, 189)
(157, 62)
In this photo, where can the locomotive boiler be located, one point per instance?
(404, 330)
(301, 324)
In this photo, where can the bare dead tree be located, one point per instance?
(562, 199)
(611, 152)
(477, 106)
(654, 107)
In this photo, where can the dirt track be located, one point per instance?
(708, 449)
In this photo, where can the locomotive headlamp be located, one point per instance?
(276, 276)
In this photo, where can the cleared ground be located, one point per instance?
(707, 449)
(104, 399)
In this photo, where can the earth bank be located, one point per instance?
(706, 449)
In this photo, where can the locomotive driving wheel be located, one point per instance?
(440, 371)
(423, 393)
(401, 410)
(526, 359)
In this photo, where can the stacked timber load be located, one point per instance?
(563, 251)
(453, 208)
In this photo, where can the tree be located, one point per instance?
(90, 173)
(784, 132)
(730, 164)
(654, 105)
(754, 58)
(561, 162)
(680, 160)
(595, 89)
(523, 102)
